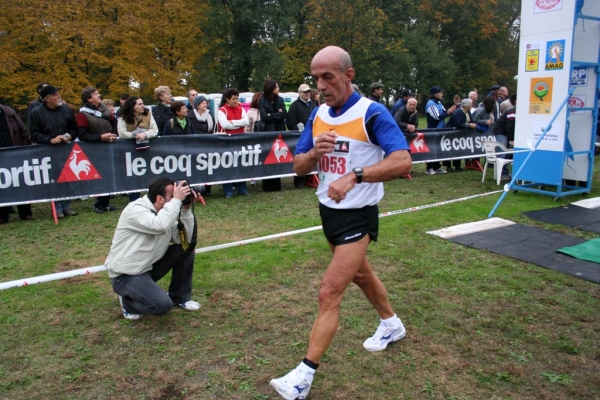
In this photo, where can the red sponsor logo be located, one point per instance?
(78, 167)
(547, 4)
(418, 145)
(576, 102)
(280, 152)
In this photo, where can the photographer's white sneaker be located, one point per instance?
(127, 314)
(190, 305)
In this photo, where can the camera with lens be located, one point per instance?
(199, 189)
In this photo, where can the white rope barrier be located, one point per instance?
(100, 268)
(51, 277)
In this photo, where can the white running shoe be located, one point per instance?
(430, 171)
(127, 314)
(384, 336)
(441, 170)
(190, 305)
(294, 385)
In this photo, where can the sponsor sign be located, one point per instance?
(533, 60)
(532, 51)
(540, 95)
(543, 6)
(42, 172)
(555, 55)
(45, 173)
(577, 101)
(436, 144)
(579, 77)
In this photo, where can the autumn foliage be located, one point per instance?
(131, 47)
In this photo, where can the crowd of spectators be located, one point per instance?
(51, 121)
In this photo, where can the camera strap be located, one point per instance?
(181, 228)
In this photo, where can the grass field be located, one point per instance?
(479, 325)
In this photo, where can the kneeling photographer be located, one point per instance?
(155, 234)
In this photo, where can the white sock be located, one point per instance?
(392, 322)
(307, 371)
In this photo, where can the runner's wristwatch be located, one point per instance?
(359, 173)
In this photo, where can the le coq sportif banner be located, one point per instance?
(49, 172)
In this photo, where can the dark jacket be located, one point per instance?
(177, 129)
(458, 120)
(398, 105)
(269, 114)
(30, 107)
(18, 132)
(162, 114)
(299, 112)
(374, 98)
(506, 124)
(202, 126)
(46, 124)
(91, 127)
(403, 118)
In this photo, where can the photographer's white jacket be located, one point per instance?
(143, 236)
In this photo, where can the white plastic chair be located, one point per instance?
(490, 158)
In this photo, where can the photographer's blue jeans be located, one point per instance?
(141, 294)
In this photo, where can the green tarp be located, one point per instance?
(589, 251)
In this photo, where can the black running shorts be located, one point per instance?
(347, 226)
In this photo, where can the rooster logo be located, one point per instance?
(78, 167)
(280, 151)
(418, 144)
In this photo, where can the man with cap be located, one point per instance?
(376, 90)
(493, 91)
(495, 94)
(404, 96)
(53, 123)
(297, 117)
(300, 109)
(436, 114)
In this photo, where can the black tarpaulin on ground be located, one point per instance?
(532, 245)
(585, 219)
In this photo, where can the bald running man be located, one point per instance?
(344, 138)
